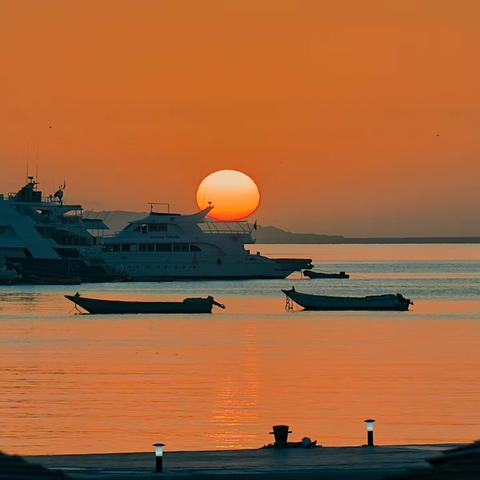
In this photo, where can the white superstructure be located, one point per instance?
(174, 246)
(45, 239)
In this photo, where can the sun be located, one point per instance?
(233, 194)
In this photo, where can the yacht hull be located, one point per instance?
(144, 267)
(59, 271)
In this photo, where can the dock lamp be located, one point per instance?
(159, 456)
(369, 424)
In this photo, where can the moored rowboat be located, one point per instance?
(99, 306)
(370, 302)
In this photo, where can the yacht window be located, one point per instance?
(158, 227)
(141, 228)
(146, 247)
(125, 247)
(3, 230)
(65, 237)
(68, 252)
(163, 247)
(180, 247)
(195, 248)
(151, 227)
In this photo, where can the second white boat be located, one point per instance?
(165, 246)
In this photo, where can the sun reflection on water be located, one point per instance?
(235, 405)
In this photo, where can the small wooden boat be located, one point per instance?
(188, 305)
(312, 274)
(370, 302)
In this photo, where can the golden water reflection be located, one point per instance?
(235, 404)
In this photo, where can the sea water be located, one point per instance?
(74, 383)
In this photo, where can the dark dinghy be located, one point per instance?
(312, 274)
(188, 305)
(370, 302)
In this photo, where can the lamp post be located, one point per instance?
(159, 456)
(369, 423)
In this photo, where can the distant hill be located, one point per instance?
(117, 219)
(277, 235)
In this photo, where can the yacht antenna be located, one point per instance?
(36, 166)
(27, 156)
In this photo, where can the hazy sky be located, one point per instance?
(353, 117)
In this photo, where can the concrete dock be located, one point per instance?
(320, 463)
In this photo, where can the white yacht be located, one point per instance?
(173, 246)
(48, 241)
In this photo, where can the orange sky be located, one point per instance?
(352, 117)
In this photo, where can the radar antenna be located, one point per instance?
(152, 205)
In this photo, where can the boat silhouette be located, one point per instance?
(370, 302)
(99, 306)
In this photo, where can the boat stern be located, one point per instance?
(290, 265)
(403, 302)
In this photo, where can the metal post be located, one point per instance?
(159, 456)
(369, 422)
(159, 464)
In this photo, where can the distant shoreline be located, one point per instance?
(381, 241)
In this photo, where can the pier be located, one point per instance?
(320, 463)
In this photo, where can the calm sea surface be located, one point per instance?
(78, 383)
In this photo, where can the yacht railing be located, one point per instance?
(226, 228)
(48, 201)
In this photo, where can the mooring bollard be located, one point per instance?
(159, 456)
(369, 423)
(280, 432)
